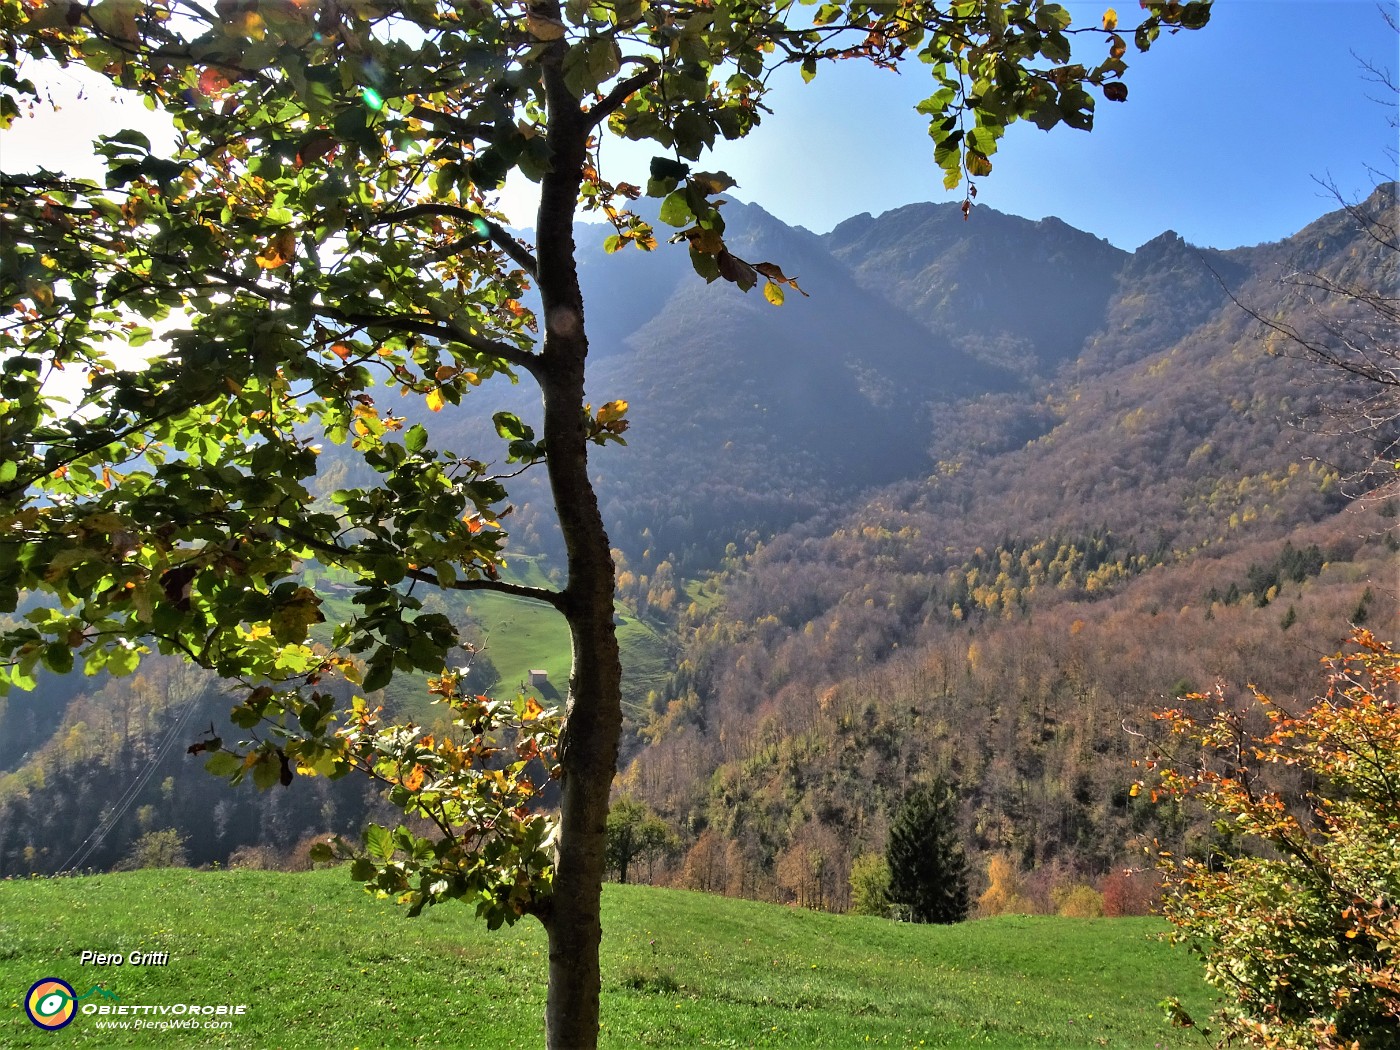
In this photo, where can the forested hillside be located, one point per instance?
(987, 498)
(1166, 512)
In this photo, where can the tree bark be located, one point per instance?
(593, 713)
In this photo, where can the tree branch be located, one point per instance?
(470, 129)
(619, 94)
(440, 329)
(499, 236)
(516, 590)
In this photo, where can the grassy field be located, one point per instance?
(521, 636)
(320, 964)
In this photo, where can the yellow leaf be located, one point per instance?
(612, 411)
(773, 292)
(532, 711)
(1110, 19)
(252, 25)
(435, 400)
(544, 28)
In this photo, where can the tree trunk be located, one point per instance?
(593, 715)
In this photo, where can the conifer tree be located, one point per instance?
(928, 870)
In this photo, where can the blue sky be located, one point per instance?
(1222, 138)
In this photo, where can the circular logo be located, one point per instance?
(50, 1003)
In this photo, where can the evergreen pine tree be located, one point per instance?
(928, 870)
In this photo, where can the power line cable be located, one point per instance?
(133, 791)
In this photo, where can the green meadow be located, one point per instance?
(320, 964)
(520, 636)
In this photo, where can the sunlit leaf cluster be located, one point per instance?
(475, 787)
(1301, 929)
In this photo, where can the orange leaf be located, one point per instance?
(435, 400)
(271, 257)
(213, 83)
(341, 351)
(314, 147)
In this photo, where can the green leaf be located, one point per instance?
(1146, 34)
(1055, 47)
(362, 869)
(292, 619)
(379, 842)
(123, 659)
(1196, 14)
(58, 657)
(675, 210)
(509, 426)
(416, 438)
(266, 771)
(1052, 17)
(380, 671)
(223, 763)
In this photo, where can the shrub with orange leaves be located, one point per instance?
(1303, 932)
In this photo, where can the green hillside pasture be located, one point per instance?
(521, 636)
(320, 964)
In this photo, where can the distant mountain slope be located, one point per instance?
(1020, 294)
(1168, 511)
(749, 417)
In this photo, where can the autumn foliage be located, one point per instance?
(1301, 928)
